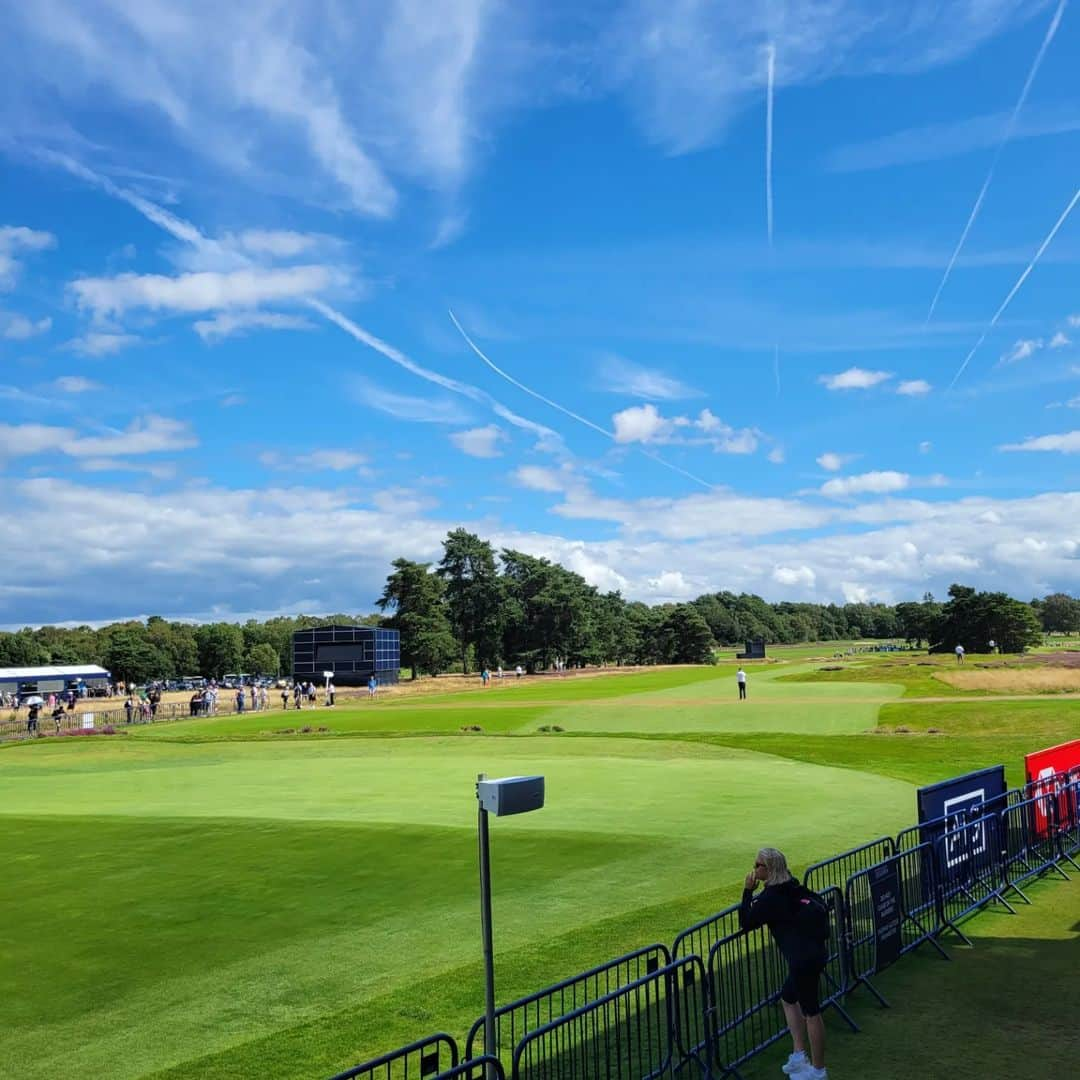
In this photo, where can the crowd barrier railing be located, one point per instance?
(969, 870)
(1031, 846)
(698, 940)
(888, 914)
(515, 1019)
(1069, 825)
(481, 1068)
(636, 1031)
(424, 1059)
(835, 871)
(746, 972)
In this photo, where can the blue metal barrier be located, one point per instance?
(481, 1068)
(424, 1059)
(895, 889)
(698, 940)
(636, 1031)
(746, 973)
(514, 1020)
(1030, 842)
(969, 870)
(834, 872)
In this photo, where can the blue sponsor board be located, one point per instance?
(945, 806)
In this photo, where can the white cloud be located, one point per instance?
(481, 442)
(1066, 443)
(854, 593)
(689, 68)
(645, 424)
(794, 575)
(145, 435)
(1058, 341)
(402, 500)
(230, 401)
(925, 446)
(776, 455)
(831, 462)
(1074, 321)
(17, 240)
(324, 460)
(672, 585)
(935, 141)
(203, 291)
(427, 410)
(621, 376)
(876, 483)
(20, 328)
(914, 387)
(24, 440)
(451, 228)
(855, 378)
(160, 470)
(640, 423)
(539, 478)
(102, 343)
(1023, 349)
(227, 324)
(281, 243)
(75, 384)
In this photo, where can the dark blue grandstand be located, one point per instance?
(352, 653)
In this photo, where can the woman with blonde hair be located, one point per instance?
(798, 920)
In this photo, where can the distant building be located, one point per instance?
(352, 653)
(755, 650)
(54, 680)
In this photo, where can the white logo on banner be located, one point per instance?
(962, 843)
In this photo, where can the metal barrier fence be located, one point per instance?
(968, 867)
(834, 872)
(518, 1018)
(481, 1068)
(746, 973)
(424, 1059)
(1030, 842)
(658, 1013)
(698, 940)
(888, 914)
(13, 723)
(639, 1030)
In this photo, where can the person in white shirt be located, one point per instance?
(959, 654)
(740, 678)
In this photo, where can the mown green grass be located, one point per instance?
(207, 899)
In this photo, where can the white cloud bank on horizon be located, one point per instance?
(260, 554)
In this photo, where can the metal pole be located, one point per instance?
(485, 929)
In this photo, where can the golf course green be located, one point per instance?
(235, 898)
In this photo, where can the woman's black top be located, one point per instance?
(775, 908)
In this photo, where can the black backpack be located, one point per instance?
(811, 914)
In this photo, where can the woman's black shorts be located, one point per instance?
(801, 985)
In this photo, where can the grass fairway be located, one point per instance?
(211, 899)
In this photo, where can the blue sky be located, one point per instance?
(231, 239)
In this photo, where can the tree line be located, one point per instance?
(480, 608)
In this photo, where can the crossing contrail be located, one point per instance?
(190, 234)
(770, 53)
(1019, 281)
(1002, 142)
(565, 411)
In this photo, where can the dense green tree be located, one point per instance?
(974, 619)
(474, 597)
(1059, 613)
(22, 649)
(262, 659)
(131, 657)
(221, 649)
(685, 637)
(414, 596)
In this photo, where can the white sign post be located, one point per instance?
(88, 721)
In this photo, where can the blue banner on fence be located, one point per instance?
(963, 797)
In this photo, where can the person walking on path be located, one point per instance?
(740, 678)
(372, 687)
(959, 654)
(798, 920)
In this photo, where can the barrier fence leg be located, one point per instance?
(927, 936)
(873, 990)
(845, 1015)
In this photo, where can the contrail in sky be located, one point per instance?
(562, 408)
(770, 52)
(1002, 142)
(191, 234)
(1019, 281)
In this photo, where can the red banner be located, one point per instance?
(1046, 771)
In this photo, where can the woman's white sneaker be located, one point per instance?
(796, 1064)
